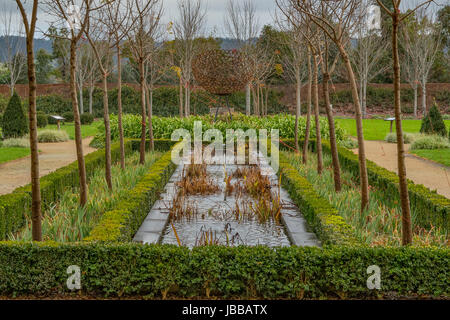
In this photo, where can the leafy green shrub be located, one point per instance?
(443, 97)
(430, 142)
(433, 123)
(166, 101)
(392, 137)
(42, 119)
(14, 122)
(16, 143)
(53, 104)
(349, 143)
(68, 116)
(3, 103)
(86, 118)
(163, 127)
(52, 136)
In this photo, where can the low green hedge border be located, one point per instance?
(155, 271)
(122, 223)
(325, 220)
(431, 209)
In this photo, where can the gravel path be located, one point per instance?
(16, 173)
(432, 175)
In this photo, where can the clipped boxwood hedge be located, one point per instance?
(328, 225)
(120, 270)
(122, 223)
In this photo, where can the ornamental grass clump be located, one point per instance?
(53, 136)
(430, 142)
(16, 143)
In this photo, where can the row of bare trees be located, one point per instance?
(326, 29)
(96, 29)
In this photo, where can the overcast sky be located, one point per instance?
(216, 10)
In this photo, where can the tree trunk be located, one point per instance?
(247, 100)
(81, 99)
(143, 113)
(359, 130)
(308, 113)
(36, 216)
(77, 122)
(424, 95)
(91, 92)
(107, 132)
(403, 183)
(149, 97)
(316, 115)
(181, 99)
(119, 105)
(364, 98)
(298, 106)
(415, 100)
(333, 143)
(361, 97)
(186, 100)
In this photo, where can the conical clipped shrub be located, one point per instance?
(433, 123)
(14, 122)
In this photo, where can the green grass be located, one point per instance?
(8, 154)
(87, 130)
(438, 155)
(377, 129)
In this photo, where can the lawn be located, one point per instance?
(441, 156)
(377, 129)
(87, 130)
(8, 154)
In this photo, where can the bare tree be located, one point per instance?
(397, 18)
(261, 63)
(339, 24)
(77, 18)
(421, 39)
(119, 13)
(242, 24)
(103, 25)
(156, 67)
(367, 55)
(410, 65)
(187, 27)
(294, 64)
(92, 76)
(141, 39)
(85, 56)
(14, 47)
(29, 22)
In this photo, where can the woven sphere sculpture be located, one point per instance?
(221, 72)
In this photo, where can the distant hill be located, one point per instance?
(229, 44)
(38, 44)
